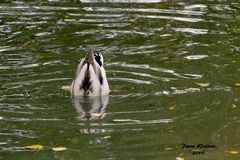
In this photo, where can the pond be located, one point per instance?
(172, 67)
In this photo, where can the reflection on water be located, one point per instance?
(90, 108)
(172, 66)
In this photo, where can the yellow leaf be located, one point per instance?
(172, 107)
(35, 146)
(57, 149)
(179, 158)
(30, 45)
(233, 152)
(237, 84)
(202, 84)
(234, 106)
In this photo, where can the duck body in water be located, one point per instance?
(90, 78)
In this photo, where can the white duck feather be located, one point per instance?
(90, 78)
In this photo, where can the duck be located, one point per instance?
(90, 78)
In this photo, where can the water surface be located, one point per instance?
(172, 66)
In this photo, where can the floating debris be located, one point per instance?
(234, 106)
(179, 158)
(237, 84)
(233, 152)
(173, 107)
(66, 88)
(168, 149)
(35, 147)
(202, 84)
(106, 137)
(58, 149)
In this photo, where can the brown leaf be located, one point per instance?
(237, 84)
(234, 106)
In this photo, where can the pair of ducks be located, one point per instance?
(90, 77)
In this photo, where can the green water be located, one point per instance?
(172, 66)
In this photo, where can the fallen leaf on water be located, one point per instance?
(66, 88)
(172, 107)
(107, 137)
(168, 149)
(57, 149)
(179, 158)
(234, 106)
(35, 147)
(237, 84)
(30, 45)
(126, 120)
(202, 84)
(233, 152)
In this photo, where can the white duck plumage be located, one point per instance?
(90, 78)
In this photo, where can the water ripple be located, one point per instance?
(25, 66)
(29, 83)
(170, 64)
(121, 1)
(136, 81)
(131, 122)
(148, 67)
(6, 48)
(141, 75)
(191, 30)
(196, 57)
(183, 19)
(143, 10)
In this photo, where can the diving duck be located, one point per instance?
(90, 78)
